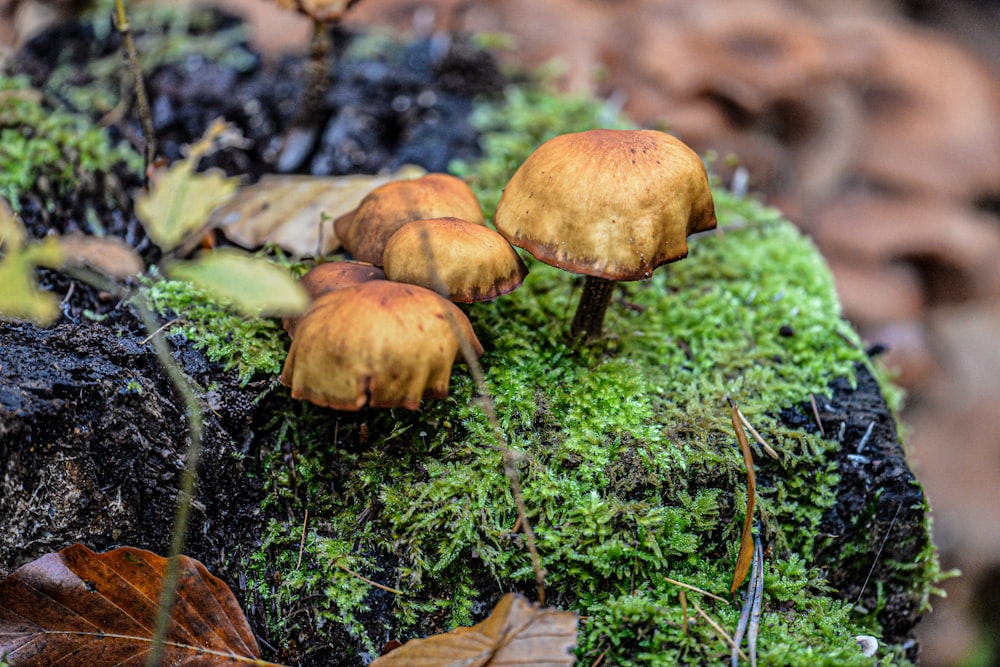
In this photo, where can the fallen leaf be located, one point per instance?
(82, 609)
(12, 233)
(111, 257)
(20, 298)
(180, 200)
(296, 213)
(254, 286)
(516, 633)
(745, 556)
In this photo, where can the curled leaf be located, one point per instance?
(516, 633)
(745, 556)
(77, 608)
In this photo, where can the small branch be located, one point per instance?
(120, 19)
(368, 581)
(694, 588)
(718, 628)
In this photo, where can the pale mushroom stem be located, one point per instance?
(589, 318)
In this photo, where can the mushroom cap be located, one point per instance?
(380, 343)
(472, 262)
(614, 204)
(365, 230)
(331, 276)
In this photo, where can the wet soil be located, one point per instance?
(92, 435)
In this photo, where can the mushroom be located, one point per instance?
(381, 343)
(610, 204)
(469, 262)
(365, 230)
(330, 276)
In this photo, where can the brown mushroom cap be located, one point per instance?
(472, 262)
(380, 343)
(331, 276)
(613, 204)
(365, 230)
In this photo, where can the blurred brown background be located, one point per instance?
(875, 125)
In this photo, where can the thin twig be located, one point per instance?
(718, 628)
(185, 494)
(885, 538)
(684, 611)
(694, 588)
(368, 581)
(142, 99)
(161, 328)
(756, 436)
(758, 600)
(302, 539)
(819, 422)
(746, 611)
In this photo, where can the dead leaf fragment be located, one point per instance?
(296, 213)
(745, 556)
(111, 257)
(79, 608)
(516, 633)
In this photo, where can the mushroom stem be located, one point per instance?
(589, 318)
(317, 74)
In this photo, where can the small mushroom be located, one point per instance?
(365, 230)
(381, 343)
(610, 204)
(470, 262)
(330, 276)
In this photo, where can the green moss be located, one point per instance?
(42, 145)
(248, 345)
(628, 458)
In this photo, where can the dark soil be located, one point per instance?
(880, 515)
(92, 436)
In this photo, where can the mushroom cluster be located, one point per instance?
(845, 115)
(389, 338)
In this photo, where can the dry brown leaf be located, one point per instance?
(516, 633)
(745, 556)
(289, 211)
(108, 256)
(79, 608)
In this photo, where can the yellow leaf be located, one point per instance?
(20, 297)
(12, 232)
(253, 285)
(180, 200)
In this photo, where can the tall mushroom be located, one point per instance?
(609, 204)
(380, 343)
(365, 230)
(469, 262)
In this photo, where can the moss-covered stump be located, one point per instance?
(341, 531)
(630, 473)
